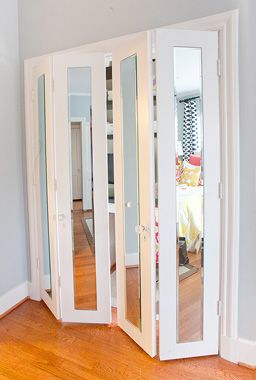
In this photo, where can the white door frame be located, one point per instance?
(227, 25)
(61, 64)
(86, 162)
(207, 41)
(142, 48)
(79, 127)
(40, 66)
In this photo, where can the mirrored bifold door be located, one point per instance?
(134, 190)
(188, 186)
(82, 187)
(183, 212)
(44, 181)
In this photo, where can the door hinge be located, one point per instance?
(218, 67)
(220, 190)
(53, 85)
(59, 281)
(55, 185)
(219, 308)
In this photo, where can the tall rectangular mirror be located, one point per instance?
(81, 179)
(128, 82)
(43, 184)
(189, 193)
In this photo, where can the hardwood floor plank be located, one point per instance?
(34, 345)
(85, 289)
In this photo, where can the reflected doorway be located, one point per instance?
(84, 263)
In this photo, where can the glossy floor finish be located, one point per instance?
(33, 345)
(190, 304)
(84, 264)
(133, 313)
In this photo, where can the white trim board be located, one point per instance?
(239, 350)
(13, 297)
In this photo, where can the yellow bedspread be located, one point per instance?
(190, 215)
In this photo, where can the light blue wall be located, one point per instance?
(79, 106)
(47, 26)
(79, 82)
(13, 248)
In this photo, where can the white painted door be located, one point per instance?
(187, 98)
(134, 190)
(82, 236)
(76, 152)
(45, 191)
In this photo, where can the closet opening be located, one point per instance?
(134, 188)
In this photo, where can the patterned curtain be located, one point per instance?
(190, 140)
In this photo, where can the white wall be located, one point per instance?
(48, 25)
(13, 248)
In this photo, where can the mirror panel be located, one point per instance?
(128, 72)
(46, 265)
(189, 193)
(110, 133)
(81, 172)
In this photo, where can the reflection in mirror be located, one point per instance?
(110, 145)
(81, 172)
(189, 193)
(131, 189)
(47, 280)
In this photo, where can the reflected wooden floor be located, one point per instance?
(190, 306)
(133, 313)
(35, 346)
(190, 303)
(84, 263)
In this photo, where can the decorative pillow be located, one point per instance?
(195, 160)
(179, 168)
(190, 175)
(177, 174)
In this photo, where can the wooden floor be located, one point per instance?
(33, 345)
(84, 264)
(190, 304)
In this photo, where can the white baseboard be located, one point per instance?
(13, 297)
(131, 259)
(238, 350)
